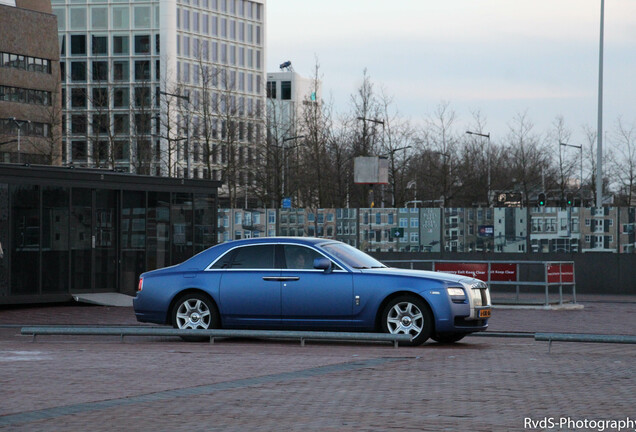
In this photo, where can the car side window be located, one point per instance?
(300, 257)
(253, 257)
(224, 261)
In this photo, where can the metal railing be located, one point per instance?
(548, 276)
(214, 333)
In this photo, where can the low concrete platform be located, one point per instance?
(105, 299)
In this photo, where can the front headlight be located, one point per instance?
(456, 294)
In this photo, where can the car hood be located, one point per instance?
(439, 276)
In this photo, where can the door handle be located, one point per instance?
(281, 278)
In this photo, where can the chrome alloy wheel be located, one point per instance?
(405, 318)
(193, 313)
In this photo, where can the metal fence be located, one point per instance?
(554, 278)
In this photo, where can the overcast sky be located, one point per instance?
(501, 57)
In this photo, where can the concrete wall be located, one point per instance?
(596, 273)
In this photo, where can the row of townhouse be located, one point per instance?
(502, 230)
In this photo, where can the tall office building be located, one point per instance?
(163, 87)
(287, 93)
(29, 84)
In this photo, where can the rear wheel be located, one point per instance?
(408, 315)
(194, 311)
(448, 338)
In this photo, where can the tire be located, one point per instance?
(408, 315)
(195, 311)
(448, 338)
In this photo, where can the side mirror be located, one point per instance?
(323, 264)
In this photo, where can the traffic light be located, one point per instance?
(569, 200)
(541, 200)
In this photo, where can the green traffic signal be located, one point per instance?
(541, 200)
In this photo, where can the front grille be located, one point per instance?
(480, 297)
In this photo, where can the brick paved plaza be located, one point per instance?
(481, 384)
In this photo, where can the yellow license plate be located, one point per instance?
(485, 313)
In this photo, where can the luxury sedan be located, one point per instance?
(300, 283)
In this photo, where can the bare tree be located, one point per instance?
(365, 115)
(315, 126)
(397, 146)
(438, 146)
(625, 162)
(475, 160)
(49, 142)
(527, 157)
(561, 135)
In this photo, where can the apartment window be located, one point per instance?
(100, 71)
(142, 124)
(142, 17)
(78, 124)
(121, 18)
(142, 44)
(121, 123)
(120, 45)
(78, 150)
(142, 70)
(78, 71)
(99, 17)
(100, 97)
(78, 97)
(120, 70)
(78, 44)
(100, 123)
(271, 89)
(121, 97)
(285, 90)
(142, 96)
(100, 45)
(415, 222)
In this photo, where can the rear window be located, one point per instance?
(247, 257)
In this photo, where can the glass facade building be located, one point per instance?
(158, 86)
(66, 231)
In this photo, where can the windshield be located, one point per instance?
(352, 256)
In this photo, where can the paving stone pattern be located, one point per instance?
(480, 384)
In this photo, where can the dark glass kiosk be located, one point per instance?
(66, 231)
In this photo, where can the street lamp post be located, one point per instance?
(391, 155)
(19, 124)
(599, 132)
(580, 147)
(364, 122)
(487, 158)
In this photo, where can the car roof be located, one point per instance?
(202, 259)
(300, 240)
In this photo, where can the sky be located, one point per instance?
(499, 57)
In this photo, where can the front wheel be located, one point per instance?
(408, 315)
(194, 311)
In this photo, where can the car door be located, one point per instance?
(249, 292)
(311, 297)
